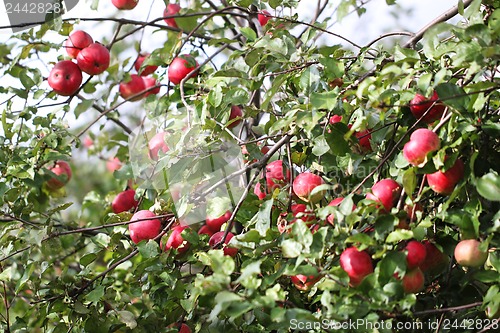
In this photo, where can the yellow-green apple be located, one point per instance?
(305, 183)
(235, 116)
(444, 182)
(181, 67)
(124, 201)
(357, 264)
(335, 203)
(276, 175)
(420, 104)
(63, 173)
(77, 41)
(422, 142)
(263, 17)
(147, 70)
(385, 192)
(94, 59)
(65, 78)
(132, 87)
(157, 144)
(125, 4)
(217, 238)
(176, 241)
(214, 223)
(415, 254)
(413, 281)
(171, 10)
(148, 226)
(113, 164)
(467, 253)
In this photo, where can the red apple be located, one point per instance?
(444, 182)
(420, 104)
(150, 82)
(335, 119)
(357, 264)
(147, 228)
(304, 282)
(467, 253)
(132, 87)
(416, 253)
(235, 113)
(205, 230)
(422, 142)
(124, 201)
(215, 223)
(77, 41)
(63, 172)
(386, 192)
(157, 144)
(88, 142)
(65, 78)
(94, 59)
(113, 164)
(263, 17)
(125, 4)
(275, 175)
(171, 10)
(181, 67)
(149, 69)
(413, 281)
(435, 260)
(176, 241)
(305, 183)
(217, 238)
(300, 211)
(364, 138)
(335, 203)
(183, 328)
(258, 191)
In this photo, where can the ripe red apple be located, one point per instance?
(181, 67)
(150, 82)
(94, 59)
(113, 164)
(386, 192)
(467, 253)
(420, 104)
(364, 138)
(415, 254)
(305, 183)
(335, 119)
(217, 238)
(304, 282)
(258, 191)
(335, 203)
(77, 41)
(435, 260)
(300, 211)
(235, 113)
(149, 69)
(444, 182)
(132, 87)
(263, 17)
(124, 201)
(422, 142)
(125, 4)
(183, 328)
(413, 281)
(170, 10)
(63, 172)
(176, 241)
(148, 228)
(357, 264)
(65, 78)
(157, 144)
(88, 142)
(205, 230)
(215, 223)
(275, 175)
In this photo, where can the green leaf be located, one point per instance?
(83, 106)
(95, 295)
(488, 186)
(264, 217)
(148, 249)
(399, 235)
(410, 181)
(291, 248)
(324, 100)
(87, 259)
(249, 34)
(321, 146)
(127, 318)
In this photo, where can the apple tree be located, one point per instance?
(254, 171)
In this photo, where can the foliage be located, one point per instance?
(68, 264)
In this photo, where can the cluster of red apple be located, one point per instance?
(92, 58)
(143, 81)
(363, 136)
